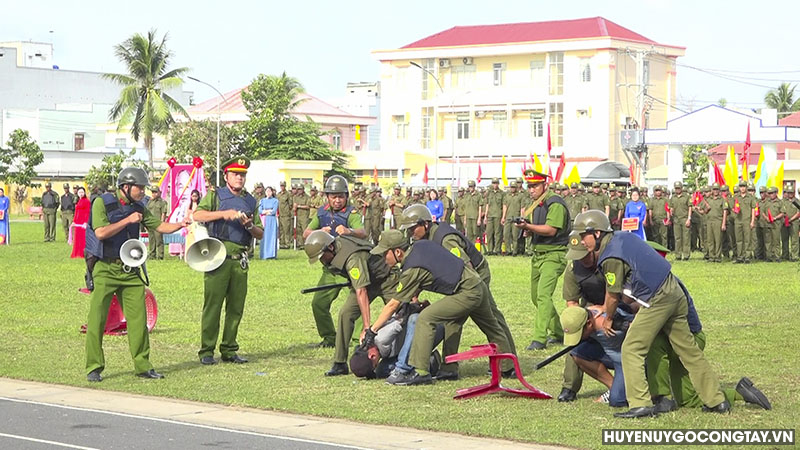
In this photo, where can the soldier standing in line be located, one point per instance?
(448, 204)
(284, 215)
(473, 204)
(774, 212)
(67, 210)
(793, 214)
(512, 207)
(681, 206)
(699, 229)
(659, 216)
(788, 237)
(761, 225)
(616, 207)
(314, 202)
(158, 209)
(728, 237)
(576, 203)
(460, 211)
(397, 202)
(301, 208)
(493, 213)
(375, 209)
(50, 203)
(258, 192)
(596, 200)
(744, 219)
(715, 209)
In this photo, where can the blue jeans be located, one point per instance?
(402, 356)
(591, 350)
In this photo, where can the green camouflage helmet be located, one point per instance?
(412, 215)
(336, 184)
(133, 175)
(592, 220)
(316, 243)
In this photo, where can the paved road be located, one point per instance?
(34, 425)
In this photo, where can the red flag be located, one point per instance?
(769, 216)
(697, 198)
(549, 143)
(375, 174)
(633, 179)
(746, 154)
(425, 175)
(561, 164)
(666, 208)
(718, 177)
(524, 167)
(479, 173)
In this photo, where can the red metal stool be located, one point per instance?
(490, 350)
(116, 325)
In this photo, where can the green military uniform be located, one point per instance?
(699, 231)
(728, 235)
(575, 202)
(258, 192)
(658, 213)
(158, 208)
(493, 214)
(794, 225)
(668, 314)
(302, 207)
(681, 206)
(285, 218)
(761, 225)
(397, 202)
(547, 265)
(315, 201)
(596, 200)
(447, 204)
(376, 208)
(743, 212)
(227, 283)
(616, 209)
(67, 204)
(774, 212)
(50, 203)
(473, 203)
(715, 210)
(460, 210)
(512, 206)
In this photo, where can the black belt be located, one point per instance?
(112, 261)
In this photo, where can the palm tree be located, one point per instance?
(782, 99)
(143, 103)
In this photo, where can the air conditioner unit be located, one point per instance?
(444, 63)
(468, 61)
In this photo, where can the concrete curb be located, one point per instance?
(252, 420)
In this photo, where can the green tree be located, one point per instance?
(106, 173)
(272, 132)
(782, 99)
(18, 164)
(695, 165)
(143, 102)
(199, 138)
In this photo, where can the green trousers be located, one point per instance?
(459, 223)
(682, 238)
(375, 229)
(759, 246)
(667, 314)
(67, 218)
(659, 232)
(473, 230)
(285, 231)
(155, 244)
(494, 235)
(349, 314)
(667, 376)
(744, 240)
(772, 240)
(714, 236)
(546, 268)
(794, 228)
(510, 233)
(573, 375)
(302, 224)
(110, 279)
(471, 301)
(49, 215)
(226, 284)
(321, 306)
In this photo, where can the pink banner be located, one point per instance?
(177, 188)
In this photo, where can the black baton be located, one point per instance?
(554, 357)
(324, 287)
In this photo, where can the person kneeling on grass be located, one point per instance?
(428, 266)
(385, 354)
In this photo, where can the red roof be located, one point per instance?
(792, 120)
(593, 27)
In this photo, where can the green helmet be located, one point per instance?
(133, 175)
(316, 243)
(592, 220)
(413, 214)
(336, 184)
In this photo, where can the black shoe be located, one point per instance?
(435, 363)
(567, 395)
(236, 359)
(722, 408)
(323, 344)
(663, 404)
(150, 374)
(446, 375)
(208, 361)
(555, 341)
(414, 379)
(635, 413)
(510, 373)
(536, 345)
(94, 376)
(89, 281)
(337, 369)
(752, 394)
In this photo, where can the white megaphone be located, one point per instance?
(203, 253)
(133, 253)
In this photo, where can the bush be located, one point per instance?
(37, 201)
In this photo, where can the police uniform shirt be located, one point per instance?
(210, 203)
(614, 270)
(556, 218)
(100, 216)
(357, 271)
(353, 221)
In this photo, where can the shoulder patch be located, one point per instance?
(611, 278)
(456, 251)
(355, 273)
(399, 286)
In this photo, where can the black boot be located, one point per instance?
(635, 413)
(89, 281)
(337, 369)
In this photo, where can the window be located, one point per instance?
(537, 123)
(500, 120)
(120, 142)
(463, 126)
(79, 141)
(428, 67)
(425, 141)
(462, 77)
(336, 140)
(497, 71)
(538, 79)
(382, 173)
(303, 181)
(586, 70)
(556, 73)
(401, 127)
(557, 124)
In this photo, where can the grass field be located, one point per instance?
(749, 313)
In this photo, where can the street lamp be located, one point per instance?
(435, 123)
(219, 116)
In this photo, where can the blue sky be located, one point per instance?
(325, 44)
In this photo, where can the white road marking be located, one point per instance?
(43, 441)
(176, 422)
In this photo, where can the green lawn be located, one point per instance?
(749, 313)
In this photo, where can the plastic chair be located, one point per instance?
(116, 325)
(490, 350)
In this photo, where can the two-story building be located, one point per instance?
(473, 94)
